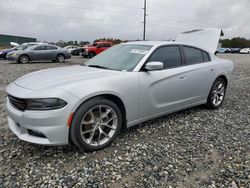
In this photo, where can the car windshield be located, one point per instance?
(22, 47)
(120, 57)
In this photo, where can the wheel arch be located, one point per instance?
(112, 97)
(60, 54)
(224, 78)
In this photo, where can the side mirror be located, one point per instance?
(154, 65)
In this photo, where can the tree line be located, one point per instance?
(83, 43)
(237, 42)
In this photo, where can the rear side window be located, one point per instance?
(41, 48)
(206, 57)
(51, 48)
(193, 55)
(169, 55)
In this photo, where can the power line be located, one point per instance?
(61, 17)
(57, 5)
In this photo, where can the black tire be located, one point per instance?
(24, 59)
(92, 54)
(211, 101)
(60, 58)
(77, 126)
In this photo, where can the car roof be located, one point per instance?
(162, 43)
(152, 43)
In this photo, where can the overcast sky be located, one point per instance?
(53, 20)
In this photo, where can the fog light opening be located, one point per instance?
(35, 133)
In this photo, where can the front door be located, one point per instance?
(163, 90)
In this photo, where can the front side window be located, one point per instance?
(170, 56)
(193, 55)
(120, 57)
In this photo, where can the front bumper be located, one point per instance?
(51, 125)
(11, 58)
(39, 127)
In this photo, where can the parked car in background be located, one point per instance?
(245, 51)
(223, 50)
(96, 48)
(129, 83)
(23, 46)
(74, 50)
(41, 52)
(235, 50)
(4, 52)
(220, 50)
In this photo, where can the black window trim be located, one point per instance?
(163, 46)
(184, 55)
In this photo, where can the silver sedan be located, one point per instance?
(125, 85)
(41, 52)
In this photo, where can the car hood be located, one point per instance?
(57, 77)
(6, 50)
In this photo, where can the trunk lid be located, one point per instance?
(206, 39)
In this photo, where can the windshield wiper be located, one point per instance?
(98, 66)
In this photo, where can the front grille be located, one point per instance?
(18, 103)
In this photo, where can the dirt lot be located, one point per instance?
(192, 148)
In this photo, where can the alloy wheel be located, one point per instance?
(218, 93)
(99, 125)
(24, 59)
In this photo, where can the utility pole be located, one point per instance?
(145, 19)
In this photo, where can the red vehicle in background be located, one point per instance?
(96, 48)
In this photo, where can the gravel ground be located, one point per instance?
(192, 148)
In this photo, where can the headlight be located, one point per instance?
(14, 54)
(45, 104)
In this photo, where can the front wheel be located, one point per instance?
(217, 94)
(24, 59)
(95, 124)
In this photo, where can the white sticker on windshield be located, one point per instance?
(138, 51)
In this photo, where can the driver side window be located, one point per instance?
(170, 56)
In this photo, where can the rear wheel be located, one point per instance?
(60, 58)
(24, 59)
(92, 54)
(217, 94)
(95, 124)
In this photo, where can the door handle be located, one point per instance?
(183, 77)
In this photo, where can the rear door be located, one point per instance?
(39, 53)
(199, 73)
(52, 52)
